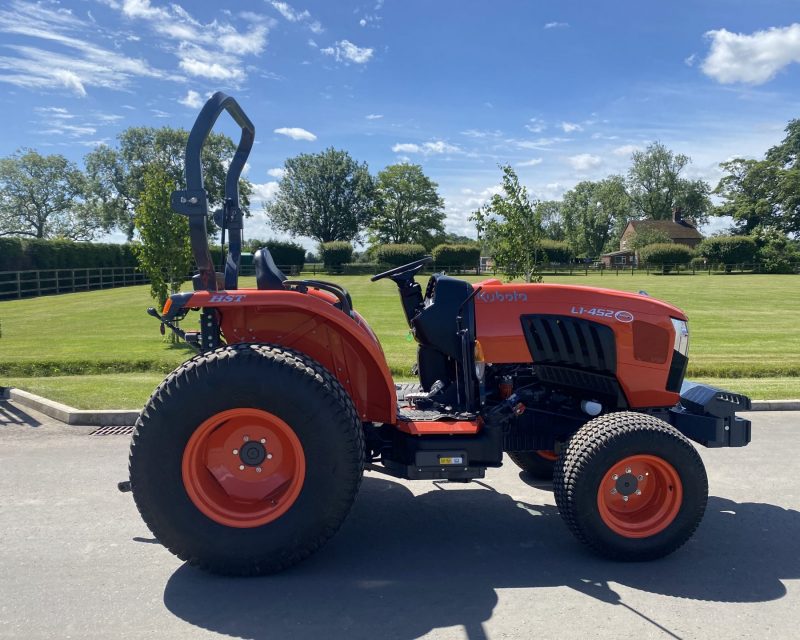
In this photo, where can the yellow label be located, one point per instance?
(457, 460)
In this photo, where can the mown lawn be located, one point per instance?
(743, 326)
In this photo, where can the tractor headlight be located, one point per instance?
(681, 336)
(480, 362)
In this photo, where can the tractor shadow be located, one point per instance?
(403, 565)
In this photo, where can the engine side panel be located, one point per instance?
(641, 326)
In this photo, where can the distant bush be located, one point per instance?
(457, 255)
(360, 268)
(556, 251)
(776, 252)
(665, 254)
(335, 254)
(397, 254)
(728, 250)
(283, 252)
(11, 252)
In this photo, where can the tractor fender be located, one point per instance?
(310, 324)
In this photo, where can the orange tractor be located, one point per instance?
(248, 457)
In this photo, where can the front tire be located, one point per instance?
(630, 486)
(246, 459)
(538, 464)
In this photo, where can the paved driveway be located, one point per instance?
(475, 561)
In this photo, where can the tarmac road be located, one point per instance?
(475, 561)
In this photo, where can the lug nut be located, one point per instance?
(269, 456)
(263, 440)
(613, 492)
(258, 470)
(628, 470)
(241, 467)
(235, 452)
(245, 438)
(640, 478)
(638, 492)
(615, 477)
(624, 498)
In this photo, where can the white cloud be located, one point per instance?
(539, 144)
(192, 99)
(277, 172)
(296, 133)
(316, 27)
(478, 198)
(482, 133)
(536, 125)
(362, 22)
(530, 163)
(690, 60)
(584, 161)
(344, 50)
(569, 127)
(374, 116)
(556, 25)
(435, 147)
(263, 193)
(751, 58)
(289, 13)
(625, 150)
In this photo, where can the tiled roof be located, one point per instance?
(671, 228)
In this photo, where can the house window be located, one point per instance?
(619, 259)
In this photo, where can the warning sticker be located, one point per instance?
(452, 460)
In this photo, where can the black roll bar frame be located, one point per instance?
(193, 201)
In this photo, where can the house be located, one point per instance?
(680, 231)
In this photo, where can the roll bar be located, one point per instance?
(193, 201)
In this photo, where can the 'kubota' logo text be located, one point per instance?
(217, 297)
(499, 296)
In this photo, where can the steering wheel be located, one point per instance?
(403, 268)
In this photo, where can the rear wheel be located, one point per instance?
(539, 464)
(631, 486)
(246, 459)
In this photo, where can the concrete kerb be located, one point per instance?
(127, 417)
(70, 415)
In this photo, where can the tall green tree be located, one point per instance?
(511, 225)
(327, 196)
(42, 197)
(116, 177)
(552, 221)
(655, 186)
(764, 193)
(410, 210)
(163, 250)
(594, 215)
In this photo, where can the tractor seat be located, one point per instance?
(268, 276)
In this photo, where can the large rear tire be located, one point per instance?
(538, 464)
(246, 459)
(630, 486)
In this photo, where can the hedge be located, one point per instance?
(335, 254)
(19, 254)
(397, 254)
(457, 255)
(557, 252)
(284, 253)
(665, 254)
(728, 249)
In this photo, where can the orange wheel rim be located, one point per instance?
(548, 455)
(243, 467)
(640, 496)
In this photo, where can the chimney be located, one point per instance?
(677, 215)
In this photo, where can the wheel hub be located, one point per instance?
(252, 453)
(626, 484)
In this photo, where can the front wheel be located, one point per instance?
(247, 459)
(630, 486)
(537, 464)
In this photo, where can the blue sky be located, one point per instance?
(564, 91)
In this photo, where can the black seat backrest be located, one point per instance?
(268, 276)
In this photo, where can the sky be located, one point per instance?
(563, 91)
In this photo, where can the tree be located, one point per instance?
(655, 186)
(410, 210)
(327, 196)
(512, 225)
(764, 193)
(41, 197)
(116, 176)
(552, 221)
(164, 252)
(593, 213)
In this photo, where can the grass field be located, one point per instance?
(743, 326)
